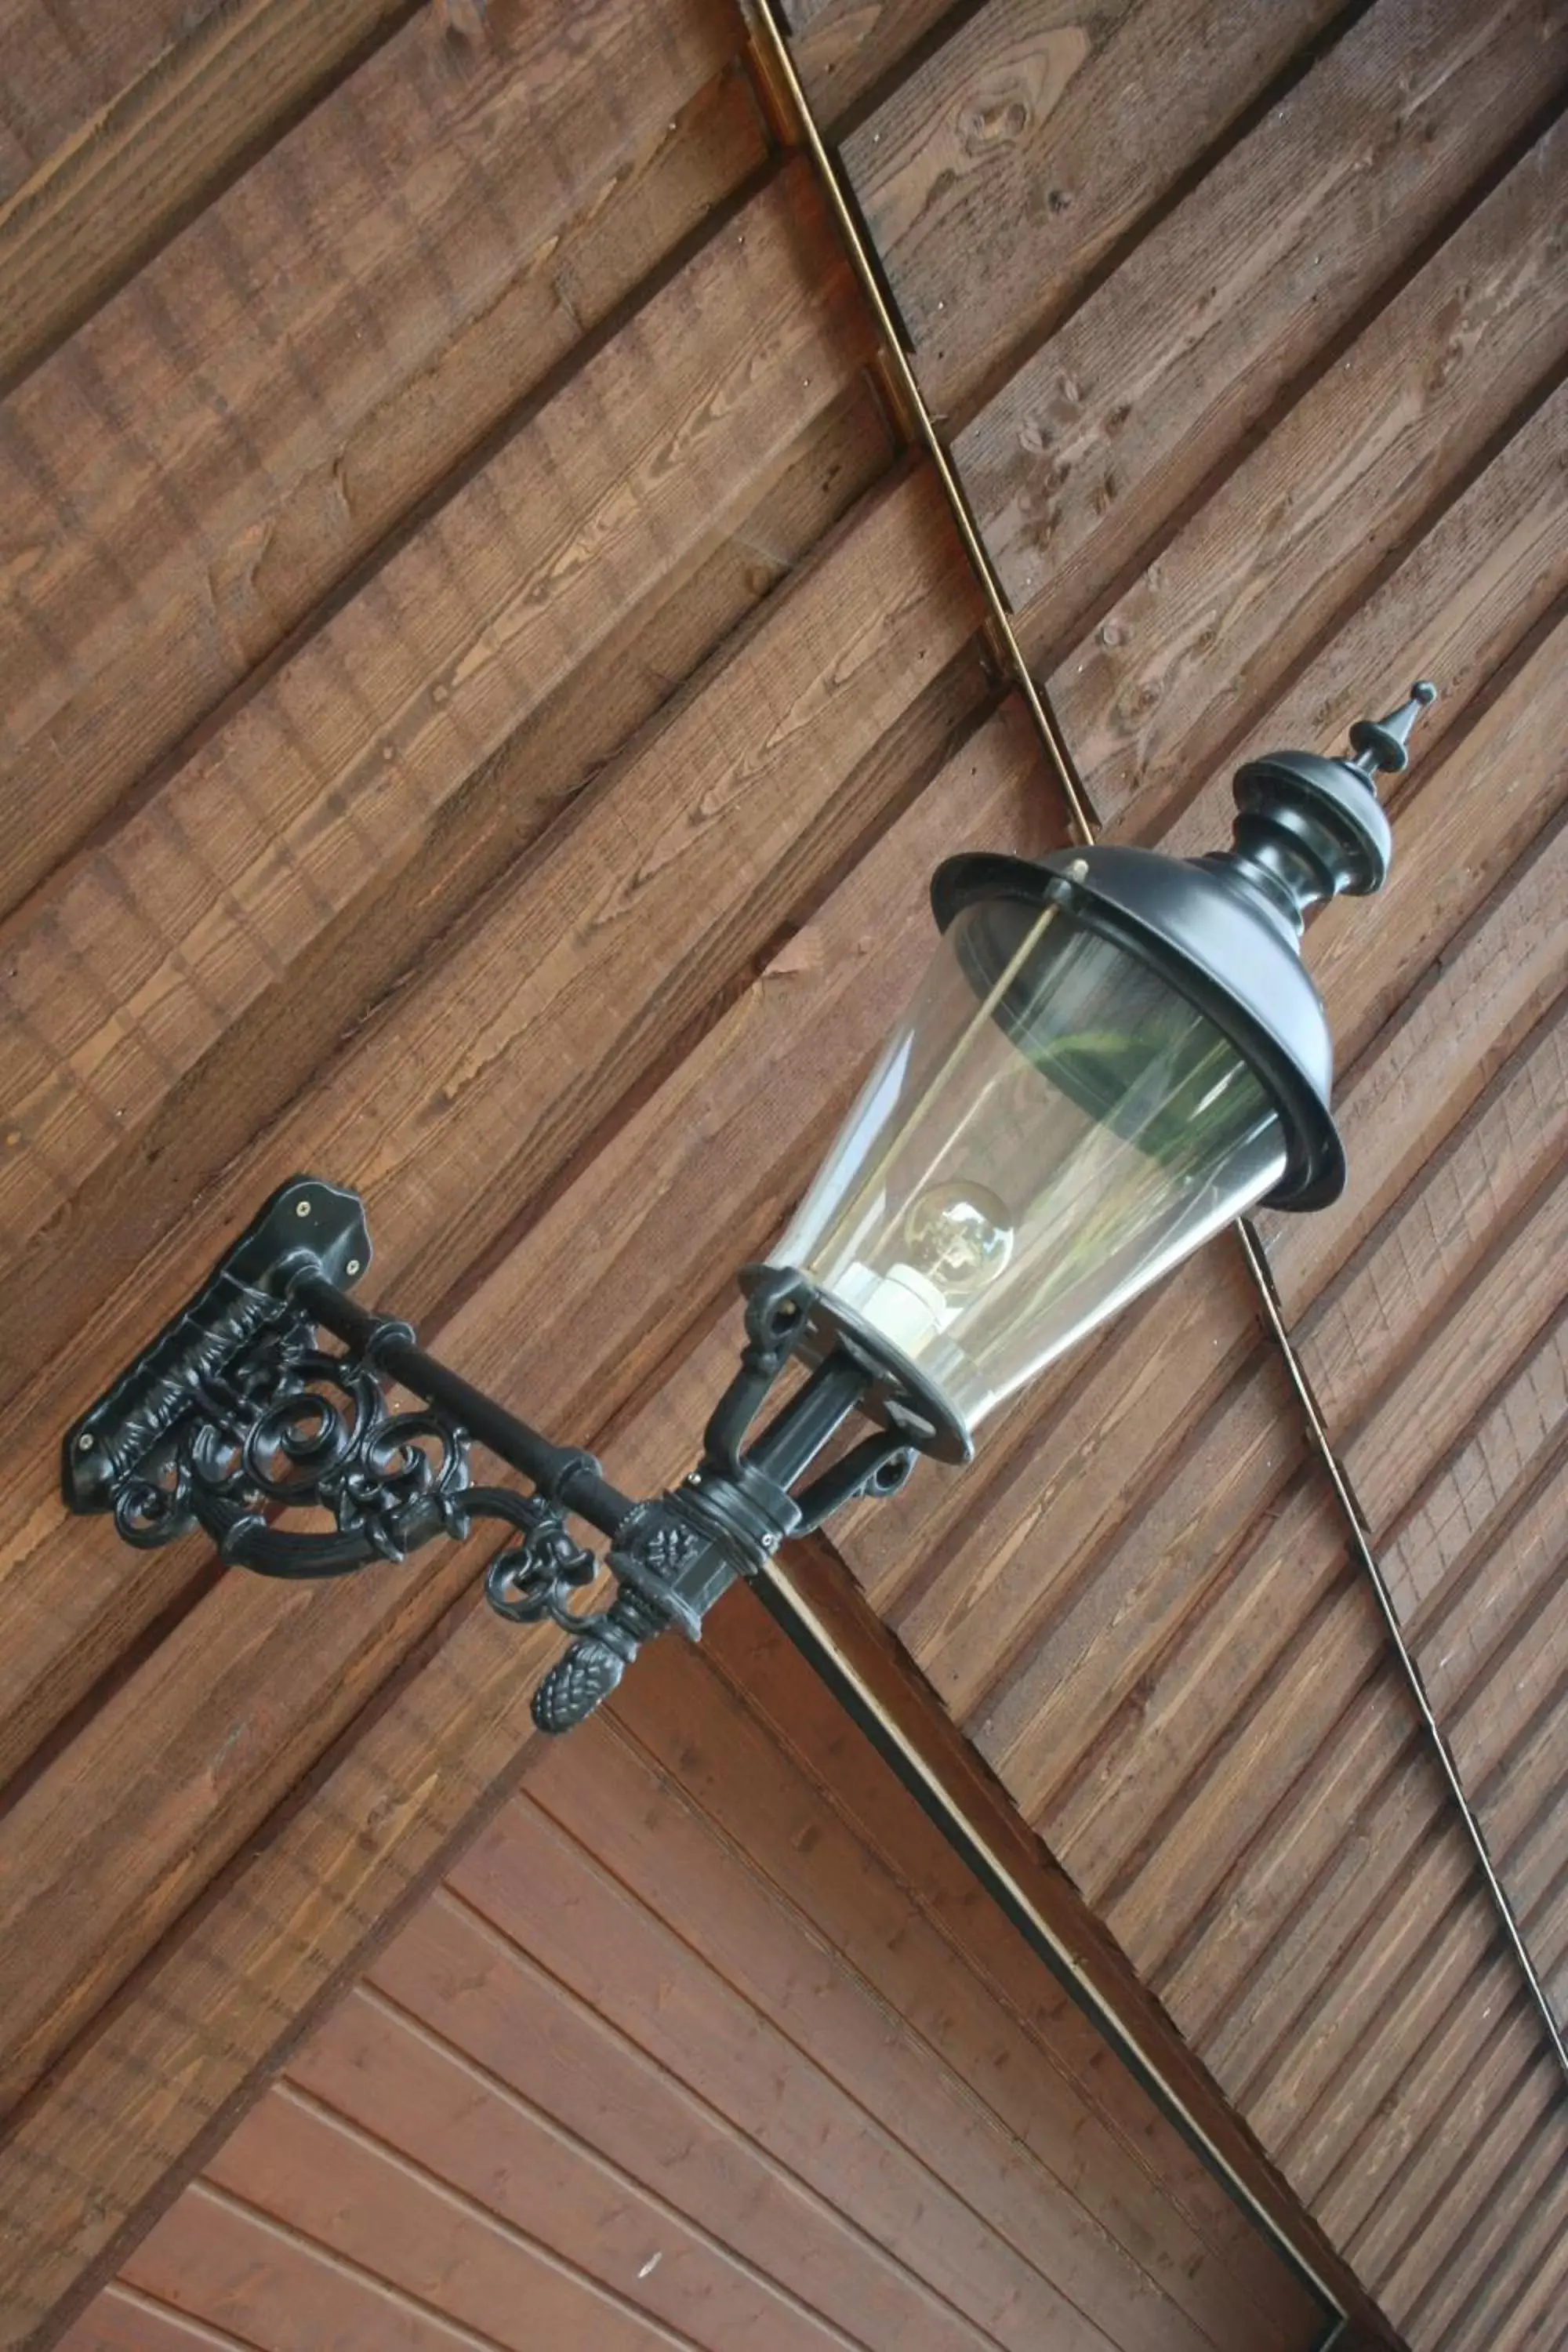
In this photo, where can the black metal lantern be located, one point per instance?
(1113, 1054)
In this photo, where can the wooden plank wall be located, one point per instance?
(563, 684)
(475, 654)
(706, 2042)
(1258, 404)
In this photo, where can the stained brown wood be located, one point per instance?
(843, 49)
(987, 182)
(122, 2322)
(1429, 2292)
(1103, 1638)
(775, 1687)
(731, 2051)
(302, 1662)
(1432, 1061)
(1255, 1823)
(465, 1717)
(952, 2034)
(145, 148)
(1468, 1198)
(1487, 1501)
(384, 2082)
(491, 2002)
(283, 424)
(64, 67)
(219, 2256)
(1418, 2104)
(1165, 686)
(901, 531)
(505, 2029)
(1126, 1790)
(154, 946)
(668, 882)
(1080, 1483)
(1491, 1324)
(1117, 419)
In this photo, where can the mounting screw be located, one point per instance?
(84, 1443)
(353, 1266)
(301, 1208)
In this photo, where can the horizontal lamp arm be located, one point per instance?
(237, 1415)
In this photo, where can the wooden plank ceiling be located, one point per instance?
(1260, 416)
(680, 2044)
(484, 685)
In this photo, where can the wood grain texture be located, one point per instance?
(745, 753)
(1122, 1797)
(952, 2031)
(1490, 1324)
(387, 2263)
(477, 1698)
(1164, 688)
(152, 947)
(236, 432)
(503, 2036)
(776, 1686)
(541, 983)
(1470, 1197)
(1473, 1535)
(184, 114)
(1096, 440)
(732, 2042)
(639, 670)
(120, 2321)
(392, 2092)
(990, 187)
(843, 49)
(1441, 2258)
(1025, 1550)
(65, 63)
(574, 956)
(1232, 1772)
(1473, 1006)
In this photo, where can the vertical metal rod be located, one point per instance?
(797, 1436)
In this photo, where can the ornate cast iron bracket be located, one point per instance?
(236, 1417)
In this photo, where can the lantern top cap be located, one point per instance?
(1311, 824)
(1383, 743)
(1224, 930)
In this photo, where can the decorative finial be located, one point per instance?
(1380, 743)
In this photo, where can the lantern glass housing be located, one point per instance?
(1051, 1126)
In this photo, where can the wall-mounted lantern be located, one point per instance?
(1112, 1055)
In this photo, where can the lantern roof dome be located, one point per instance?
(1224, 930)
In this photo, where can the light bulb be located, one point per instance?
(959, 1237)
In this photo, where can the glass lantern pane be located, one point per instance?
(1050, 1128)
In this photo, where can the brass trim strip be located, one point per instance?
(783, 83)
(790, 103)
(793, 1613)
(1355, 1518)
